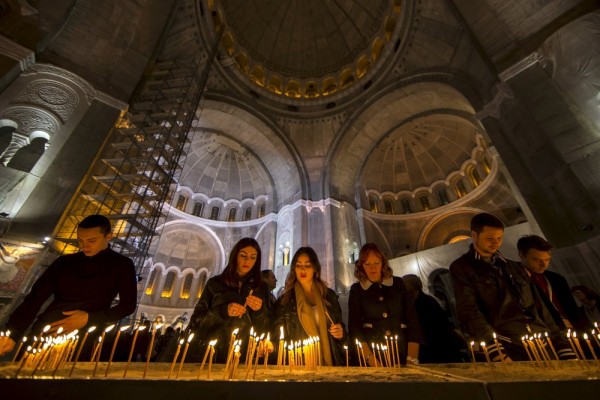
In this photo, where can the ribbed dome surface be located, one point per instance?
(220, 167)
(419, 154)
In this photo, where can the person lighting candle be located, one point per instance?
(220, 308)
(82, 287)
(303, 307)
(378, 306)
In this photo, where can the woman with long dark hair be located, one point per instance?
(378, 306)
(236, 298)
(308, 308)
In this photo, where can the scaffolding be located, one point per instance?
(134, 172)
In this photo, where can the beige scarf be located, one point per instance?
(306, 315)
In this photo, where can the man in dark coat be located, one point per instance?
(83, 287)
(494, 295)
(535, 254)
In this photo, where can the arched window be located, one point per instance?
(475, 177)
(181, 202)
(214, 213)
(248, 214)
(373, 204)
(389, 206)
(198, 206)
(201, 285)
(231, 216)
(27, 156)
(460, 189)
(406, 208)
(187, 285)
(443, 196)
(486, 165)
(151, 281)
(168, 286)
(262, 211)
(424, 203)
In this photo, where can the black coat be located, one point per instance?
(497, 298)
(210, 320)
(501, 299)
(382, 310)
(561, 289)
(79, 282)
(441, 344)
(286, 315)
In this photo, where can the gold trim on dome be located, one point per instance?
(293, 87)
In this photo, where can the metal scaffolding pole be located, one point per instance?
(134, 172)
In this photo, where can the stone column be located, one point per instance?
(18, 141)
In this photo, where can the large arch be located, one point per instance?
(279, 156)
(378, 119)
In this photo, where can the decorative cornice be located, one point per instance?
(23, 55)
(521, 66)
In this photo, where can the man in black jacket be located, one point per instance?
(83, 286)
(535, 254)
(495, 296)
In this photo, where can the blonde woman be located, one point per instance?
(308, 308)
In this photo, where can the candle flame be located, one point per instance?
(190, 337)
(472, 344)
(281, 333)
(585, 336)
(91, 329)
(141, 327)
(181, 342)
(46, 329)
(345, 347)
(24, 339)
(124, 328)
(482, 344)
(109, 328)
(59, 330)
(494, 335)
(212, 342)
(235, 332)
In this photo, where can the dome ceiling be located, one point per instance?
(217, 166)
(305, 49)
(419, 154)
(184, 248)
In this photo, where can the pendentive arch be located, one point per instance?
(280, 157)
(377, 120)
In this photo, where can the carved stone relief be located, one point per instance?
(30, 119)
(52, 95)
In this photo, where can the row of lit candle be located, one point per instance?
(384, 355)
(540, 349)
